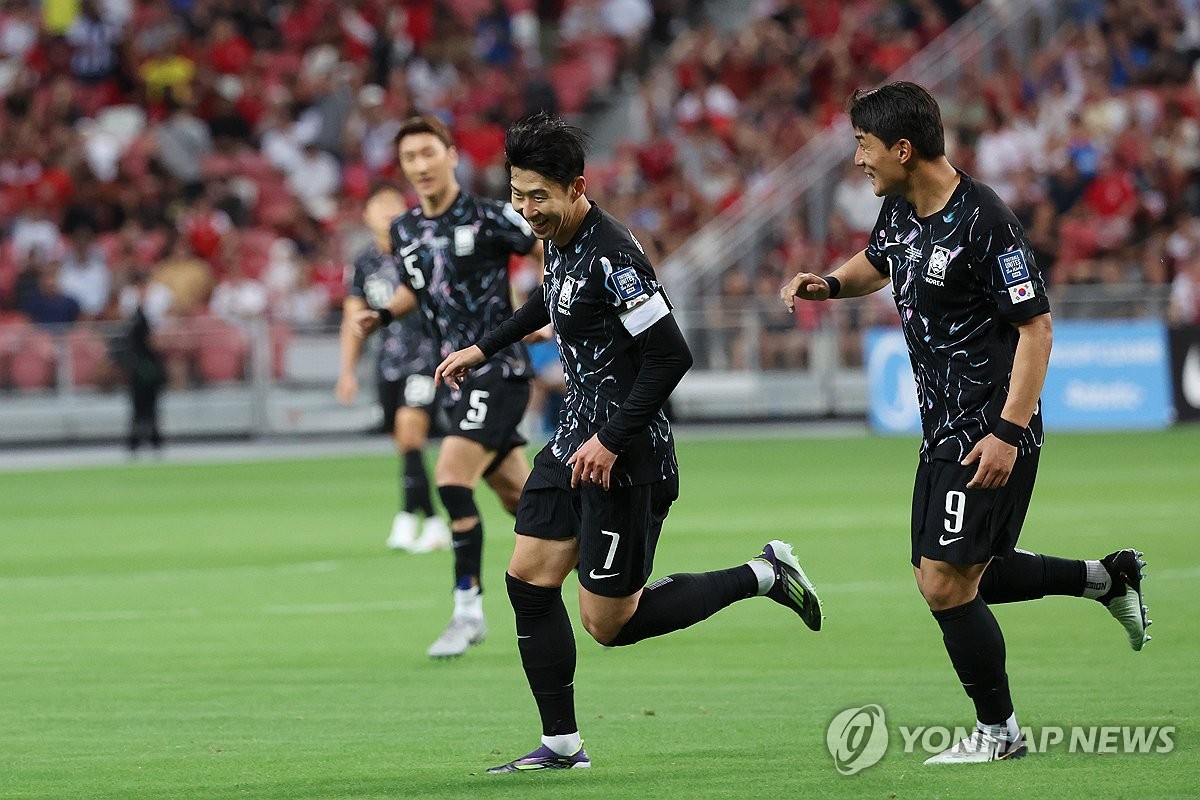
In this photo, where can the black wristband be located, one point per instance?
(385, 316)
(835, 286)
(1008, 432)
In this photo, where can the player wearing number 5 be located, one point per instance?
(602, 486)
(407, 356)
(453, 252)
(974, 313)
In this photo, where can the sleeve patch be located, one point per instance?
(627, 283)
(1022, 292)
(1014, 268)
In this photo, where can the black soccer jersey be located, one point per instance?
(406, 348)
(457, 265)
(959, 277)
(601, 292)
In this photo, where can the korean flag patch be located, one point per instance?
(627, 283)
(1022, 292)
(1014, 268)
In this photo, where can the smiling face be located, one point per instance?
(428, 164)
(883, 165)
(551, 209)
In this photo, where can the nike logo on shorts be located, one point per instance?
(601, 576)
(943, 541)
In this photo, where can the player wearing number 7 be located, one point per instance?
(453, 252)
(974, 313)
(601, 487)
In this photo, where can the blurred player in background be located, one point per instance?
(407, 357)
(974, 312)
(454, 252)
(602, 486)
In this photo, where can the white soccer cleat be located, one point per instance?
(981, 747)
(1125, 600)
(404, 532)
(435, 535)
(461, 633)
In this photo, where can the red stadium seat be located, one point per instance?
(222, 356)
(32, 359)
(89, 357)
(572, 82)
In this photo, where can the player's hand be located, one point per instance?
(364, 322)
(346, 389)
(806, 286)
(996, 459)
(456, 366)
(592, 463)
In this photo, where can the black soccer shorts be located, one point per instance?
(968, 526)
(413, 390)
(487, 409)
(617, 529)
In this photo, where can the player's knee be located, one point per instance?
(459, 502)
(604, 625)
(941, 593)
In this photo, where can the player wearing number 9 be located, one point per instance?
(974, 313)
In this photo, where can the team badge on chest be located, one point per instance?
(935, 268)
(566, 294)
(464, 240)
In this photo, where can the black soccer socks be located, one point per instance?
(677, 601)
(976, 648)
(1029, 576)
(547, 646)
(415, 482)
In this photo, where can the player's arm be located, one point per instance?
(996, 456)
(349, 351)
(665, 359)
(528, 318)
(855, 278)
(367, 320)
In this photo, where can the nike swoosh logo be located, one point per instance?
(943, 541)
(602, 575)
(519, 636)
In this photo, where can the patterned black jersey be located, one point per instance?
(959, 277)
(457, 265)
(601, 292)
(406, 348)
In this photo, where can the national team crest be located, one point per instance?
(464, 240)
(566, 294)
(935, 268)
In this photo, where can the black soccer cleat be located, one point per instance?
(1124, 601)
(792, 588)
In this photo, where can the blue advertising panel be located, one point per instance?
(891, 389)
(1106, 375)
(1103, 376)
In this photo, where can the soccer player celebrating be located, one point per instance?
(453, 251)
(601, 487)
(974, 312)
(405, 372)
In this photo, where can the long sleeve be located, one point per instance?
(665, 359)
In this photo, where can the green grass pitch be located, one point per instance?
(239, 630)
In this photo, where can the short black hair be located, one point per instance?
(379, 187)
(900, 110)
(424, 123)
(544, 144)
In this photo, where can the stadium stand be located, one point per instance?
(196, 138)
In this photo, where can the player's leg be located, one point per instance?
(507, 475)
(460, 465)
(618, 537)
(544, 636)
(1114, 581)
(405, 525)
(953, 538)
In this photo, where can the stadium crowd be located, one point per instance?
(1094, 143)
(223, 149)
